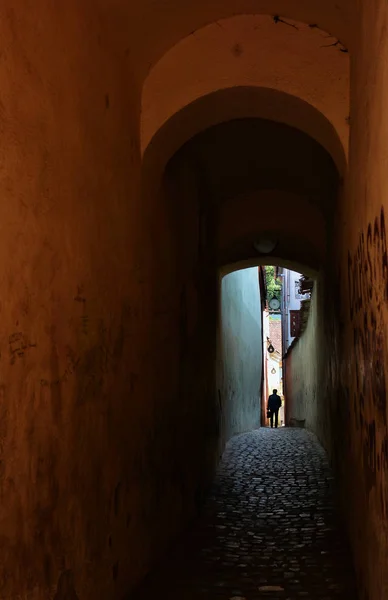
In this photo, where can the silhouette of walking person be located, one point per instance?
(274, 403)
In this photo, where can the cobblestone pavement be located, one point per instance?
(270, 528)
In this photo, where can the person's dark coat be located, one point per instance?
(274, 402)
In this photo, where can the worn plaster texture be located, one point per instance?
(240, 360)
(110, 423)
(304, 65)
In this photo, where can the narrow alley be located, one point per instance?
(269, 530)
(194, 213)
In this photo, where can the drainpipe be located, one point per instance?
(283, 312)
(288, 309)
(263, 299)
(265, 385)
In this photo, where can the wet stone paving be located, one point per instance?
(269, 530)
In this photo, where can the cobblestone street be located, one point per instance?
(270, 528)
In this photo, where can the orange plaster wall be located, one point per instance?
(97, 296)
(364, 271)
(69, 180)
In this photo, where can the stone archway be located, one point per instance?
(294, 59)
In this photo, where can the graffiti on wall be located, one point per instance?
(368, 297)
(19, 344)
(368, 265)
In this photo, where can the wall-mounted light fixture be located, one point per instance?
(265, 245)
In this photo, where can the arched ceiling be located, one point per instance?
(250, 51)
(257, 93)
(244, 155)
(155, 26)
(233, 103)
(264, 177)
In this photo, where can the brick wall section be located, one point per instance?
(275, 332)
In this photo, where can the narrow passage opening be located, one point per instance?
(285, 317)
(270, 527)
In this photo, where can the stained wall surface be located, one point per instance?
(109, 299)
(364, 273)
(240, 368)
(69, 183)
(106, 317)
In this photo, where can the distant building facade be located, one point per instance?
(292, 300)
(273, 369)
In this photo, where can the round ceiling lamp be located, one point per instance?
(265, 245)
